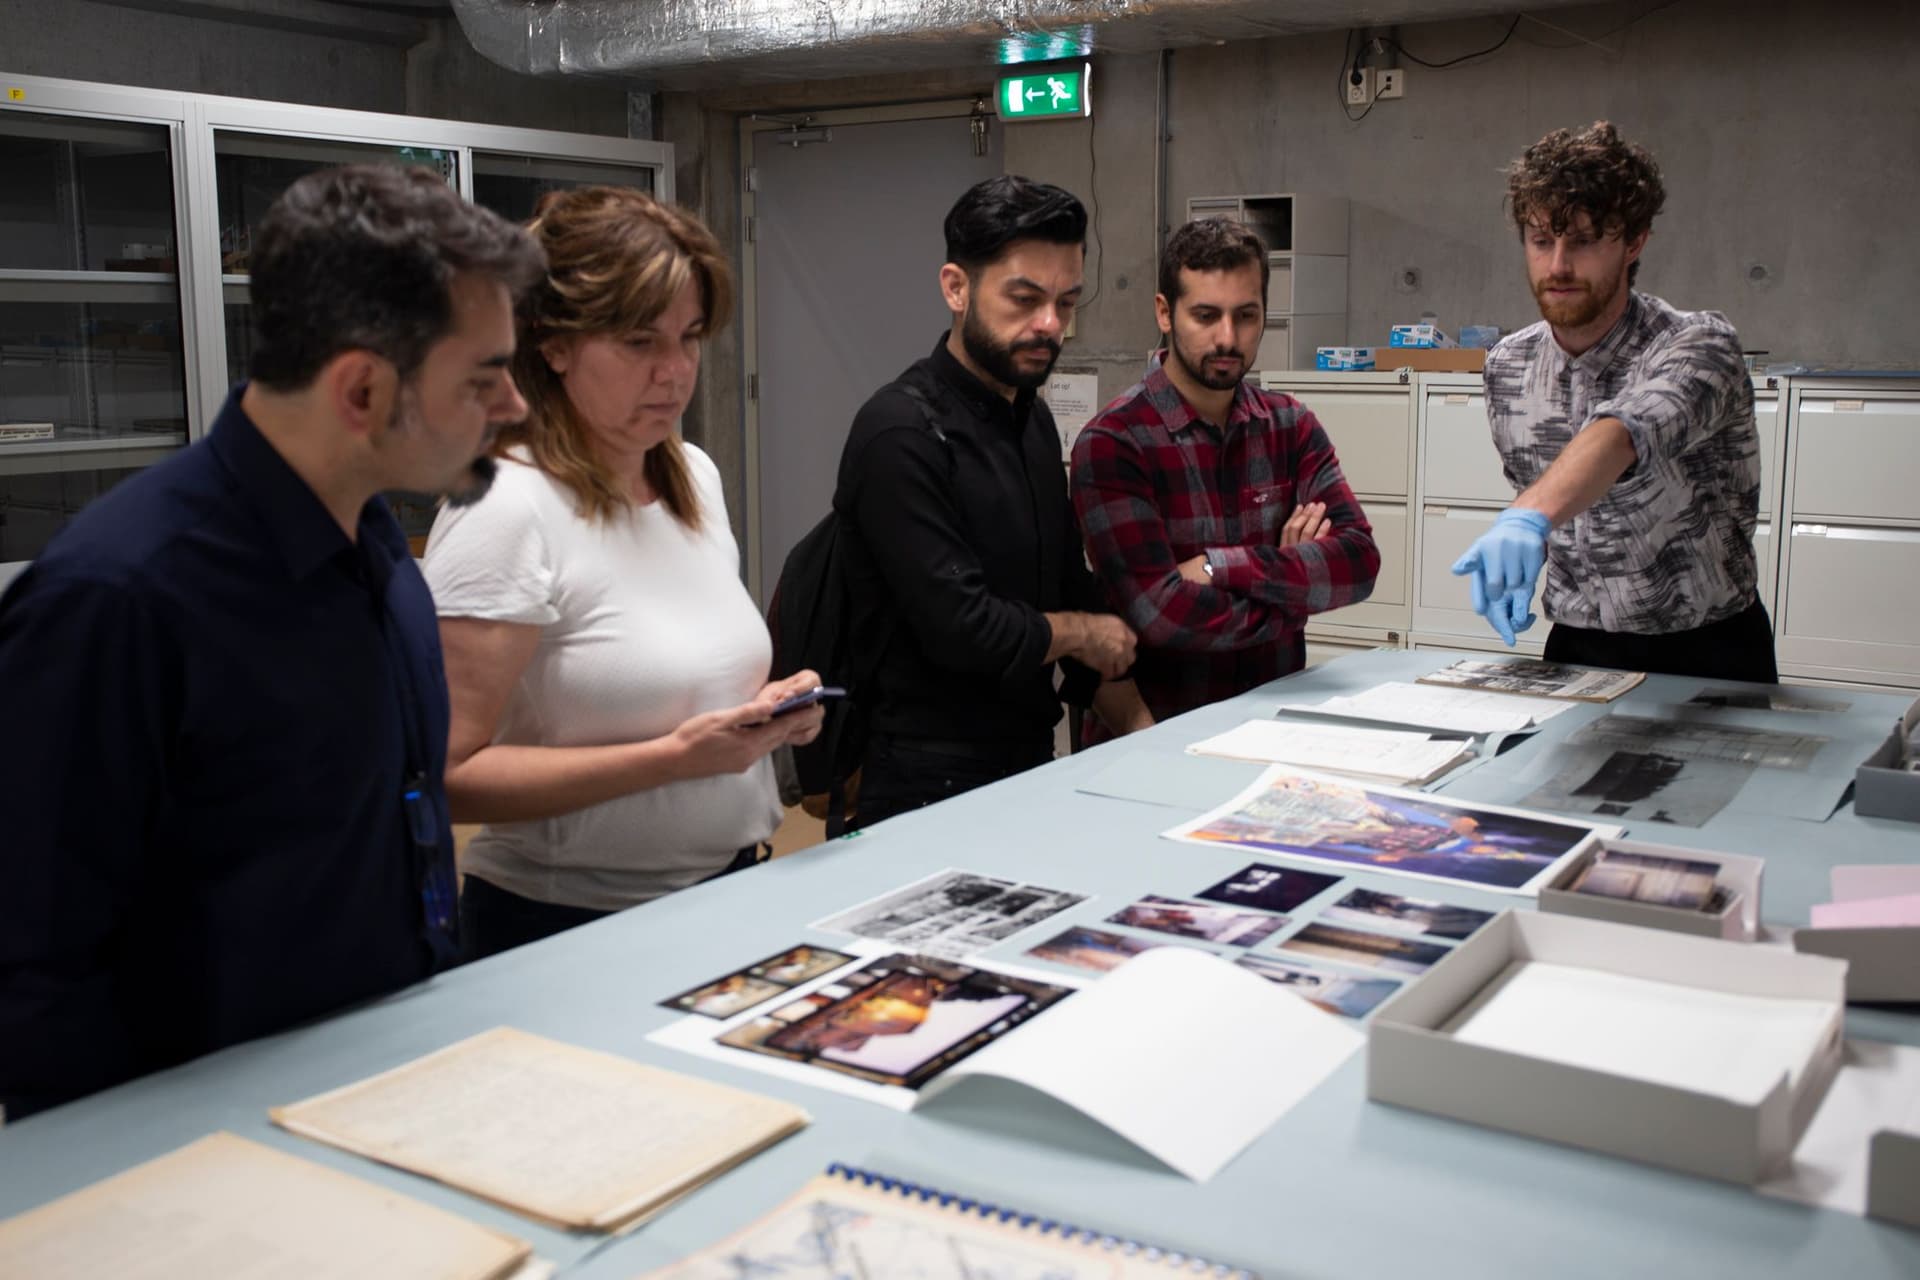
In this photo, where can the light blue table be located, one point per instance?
(1339, 1187)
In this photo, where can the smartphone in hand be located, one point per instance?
(819, 693)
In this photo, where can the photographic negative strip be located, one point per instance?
(1701, 740)
(1391, 913)
(951, 914)
(1365, 949)
(1198, 920)
(1337, 993)
(1385, 829)
(756, 984)
(1265, 887)
(899, 1020)
(1761, 698)
(1094, 949)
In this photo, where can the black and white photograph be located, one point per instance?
(1638, 786)
(951, 914)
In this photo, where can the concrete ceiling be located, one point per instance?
(704, 44)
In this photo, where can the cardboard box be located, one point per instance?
(1893, 1177)
(1413, 1061)
(1448, 360)
(1881, 788)
(1738, 922)
(1883, 964)
(1343, 358)
(1418, 335)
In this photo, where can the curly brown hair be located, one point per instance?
(616, 259)
(1210, 244)
(1593, 171)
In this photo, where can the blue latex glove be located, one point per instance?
(1505, 564)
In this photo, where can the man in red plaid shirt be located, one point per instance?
(1215, 513)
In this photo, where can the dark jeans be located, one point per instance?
(493, 919)
(901, 774)
(1736, 648)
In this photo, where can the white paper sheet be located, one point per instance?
(1391, 755)
(1877, 1087)
(1461, 710)
(1713, 1042)
(1179, 1052)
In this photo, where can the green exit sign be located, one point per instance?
(1045, 95)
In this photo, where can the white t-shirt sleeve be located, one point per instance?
(492, 560)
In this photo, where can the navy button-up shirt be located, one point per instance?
(203, 755)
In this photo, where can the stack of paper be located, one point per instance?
(1461, 710)
(224, 1206)
(563, 1134)
(1384, 755)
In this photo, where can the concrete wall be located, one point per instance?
(441, 76)
(1785, 131)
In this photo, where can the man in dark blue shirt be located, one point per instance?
(225, 720)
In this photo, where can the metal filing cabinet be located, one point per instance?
(1849, 600)
(1369, 417)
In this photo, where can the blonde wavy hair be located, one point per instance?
(615, 260)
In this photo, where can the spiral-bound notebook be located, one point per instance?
(849, 1222)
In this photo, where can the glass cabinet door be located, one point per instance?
(92, 363)
(250, 172)
(511, 185)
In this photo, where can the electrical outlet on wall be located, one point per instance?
(1392, 82)
(1359, 86)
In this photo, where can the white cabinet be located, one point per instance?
(1442, 602)
(1768, 421)
(1369, 419)
(1849, 608)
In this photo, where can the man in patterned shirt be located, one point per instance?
(1215, 513)
(1627, 428)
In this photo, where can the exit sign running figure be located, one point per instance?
(1046, 95)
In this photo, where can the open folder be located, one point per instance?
(562, 1134)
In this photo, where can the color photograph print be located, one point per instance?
(756, 984)
(1409, 833)
(1364, 949)
(1391, 913)
(1265, 887)
(1198, 920)
(1095, 950)
(900, 1020)
(1336, 993)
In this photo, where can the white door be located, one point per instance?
(847, 247)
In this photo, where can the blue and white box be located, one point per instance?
(1346, 358)
(1418, 335)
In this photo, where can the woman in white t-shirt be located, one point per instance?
(608, 671)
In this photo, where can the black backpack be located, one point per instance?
(811, 620)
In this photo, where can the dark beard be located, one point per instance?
(997, 361)
(1211, 381)
(482, 472)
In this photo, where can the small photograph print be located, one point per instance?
(1265, 887)
(951, 914)
(1686, 883)
(1198, 920)
(1336, 993)
(799, 964)
(1364, 949)
(910, 1019)
(1093, 949)
(724, 997)
(1391, 913)
(753, 1032)
(742, 989)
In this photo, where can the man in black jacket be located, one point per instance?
(963, 560)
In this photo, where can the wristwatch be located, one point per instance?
(1206, 562)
